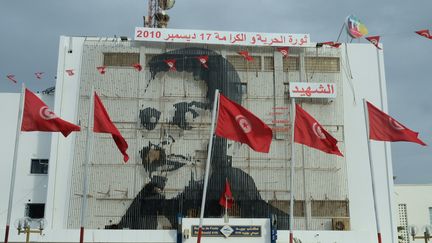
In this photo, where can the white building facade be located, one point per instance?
(165, 117)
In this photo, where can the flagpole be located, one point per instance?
(226, 209)
(207, 170)
(389, 195)
(291, 216)
(86, 162)
(372, 172)
(14, 163)
(226, 203)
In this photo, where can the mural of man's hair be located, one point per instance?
(220, 73)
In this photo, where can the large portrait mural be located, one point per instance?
(161, 163)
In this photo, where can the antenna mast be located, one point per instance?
(157, 17)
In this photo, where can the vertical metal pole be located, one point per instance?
(372, 171)
(291, 216)
(207, 170)
(86, 162)
(389, 195)
(226, 205)
(14, 163)
(27, 234)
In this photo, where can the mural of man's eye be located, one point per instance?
(149, 118)
(185, 109)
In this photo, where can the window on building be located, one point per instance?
(268, 63)
(244, 89)
(286, 88)
(330, 208)
(39, 166)
(283, 205)
(430, 215)
(291, 64)
(120, 59)
(240, 64)
(322, 64)
(35, 210)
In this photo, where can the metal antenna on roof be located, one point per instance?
(157, 17)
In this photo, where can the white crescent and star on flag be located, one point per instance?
(244, 124)
(395, 125)
(316, 128)
(46, 114)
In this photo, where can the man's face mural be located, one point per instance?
(174, 158)
(184, 122)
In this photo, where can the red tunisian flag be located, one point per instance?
(236, 123)
(103, 124)
(226, 200)
(310, 133)
(383, 127)
(374, 40)
(38, 117)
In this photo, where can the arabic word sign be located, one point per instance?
(228, 231)
(312, 90)
(221, 37)
(355, 28)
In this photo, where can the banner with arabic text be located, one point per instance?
(221, 37)
(312, 90)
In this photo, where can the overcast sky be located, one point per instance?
(30, 30)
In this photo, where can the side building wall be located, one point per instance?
(31, 183)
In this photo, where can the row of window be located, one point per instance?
(312, 64)
(319, 208)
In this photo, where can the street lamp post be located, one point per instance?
(426, 234)
(24, 225)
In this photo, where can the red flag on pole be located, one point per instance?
(103, 124)
(171, 64)
(226, 200)
(101, 69)
(374, 40)
(310, 133)
(38, 117)
(284, 51)
(203, 60)
(11, 77)
(236, 123)
(70, 72)
(38, 75)
(383, 127)
(137, 67)
(424, 33)
(246, 56)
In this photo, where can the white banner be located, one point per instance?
(221, 37)
(312, 90)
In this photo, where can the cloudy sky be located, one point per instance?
(30, 30)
